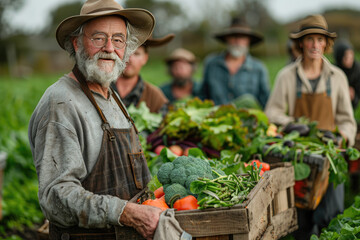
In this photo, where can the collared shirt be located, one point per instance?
(65, 137)
(145, 92)
(134, 96)
(166, 88)
(222, 87)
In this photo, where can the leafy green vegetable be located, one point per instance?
(344, 226)
(143, 118)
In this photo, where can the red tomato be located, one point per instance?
(158, 149)
(176, 149)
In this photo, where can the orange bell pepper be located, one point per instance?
(158, 202)
(186, 203)
(159, 192)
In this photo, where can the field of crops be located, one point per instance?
(18, 99)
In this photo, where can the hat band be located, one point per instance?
(312, 27)
(103, 9)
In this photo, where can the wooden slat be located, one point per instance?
(280, 201)
(282, 177)
(282, 224)
(259, 210)
(213, 223)
(291, 197)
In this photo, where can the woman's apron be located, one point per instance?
(121, 170)
(318, 107)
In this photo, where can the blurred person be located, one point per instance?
(235, 73)
(181, 67)
(345, 59)
(85, 146)
(292, 51)
(314, 88)
(132, 88)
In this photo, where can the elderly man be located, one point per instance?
(181, 67)
(234, 73)
(312, 87)
(131, 86)
(85, 146)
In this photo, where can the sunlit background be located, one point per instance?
(27, 27)
(31, 60)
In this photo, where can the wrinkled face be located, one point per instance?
(137, 60)
(313, 46)
(101, 64)
(110, 26)
(348, 59)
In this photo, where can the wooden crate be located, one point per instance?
(268, 213)
(308, 192)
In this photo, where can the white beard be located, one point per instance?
(237, 51)
(92, 72)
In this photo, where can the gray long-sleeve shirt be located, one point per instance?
(65, 136)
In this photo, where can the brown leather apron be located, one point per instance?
(121, 170)
(315, 106)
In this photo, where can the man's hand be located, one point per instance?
(143, 218)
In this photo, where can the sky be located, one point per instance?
(34, 14)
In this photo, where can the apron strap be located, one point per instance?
(117, 100)
(299, 84)
(105, 125)
(328, 87)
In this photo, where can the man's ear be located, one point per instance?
(74, 41)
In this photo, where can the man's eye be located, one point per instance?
(118, 40)
(99, 39)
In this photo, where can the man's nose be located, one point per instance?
(109, 46)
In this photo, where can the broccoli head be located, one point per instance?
(164, 173)
(184, 170)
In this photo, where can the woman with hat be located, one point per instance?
(235, 73)
(312, 87)
(132, 88)
(181, 67)
(85, 146)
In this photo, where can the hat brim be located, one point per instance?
(152, 42)
(142, 20)
(300, 34)
(254, 36)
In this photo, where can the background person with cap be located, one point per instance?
(314, 88)
(130, 85)
(234, 73)
(85, 146)
(181, 67)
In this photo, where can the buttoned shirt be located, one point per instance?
(222, 87)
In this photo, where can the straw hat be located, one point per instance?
(313, 24)
(142, 20)
(239, 27)
(181, 54)
(157, 42)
